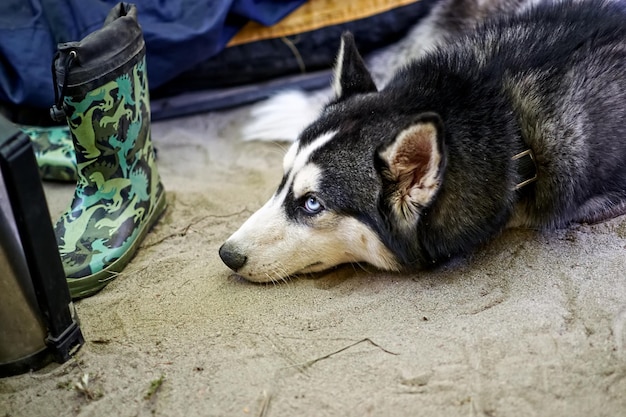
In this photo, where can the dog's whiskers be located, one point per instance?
(279, 148)
(360, 265)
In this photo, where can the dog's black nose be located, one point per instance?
(231, 257)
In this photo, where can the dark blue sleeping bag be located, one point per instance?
(179, 34)
(185, 42)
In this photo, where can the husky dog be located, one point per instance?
(520, 121)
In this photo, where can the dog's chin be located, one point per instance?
(313, 268)
(309, 270)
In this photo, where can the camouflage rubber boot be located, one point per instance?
(119, 196)
(54, 151)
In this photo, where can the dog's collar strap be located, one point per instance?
(526, 168)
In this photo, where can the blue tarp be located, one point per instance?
(179, 34)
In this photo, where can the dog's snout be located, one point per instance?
(232, 257)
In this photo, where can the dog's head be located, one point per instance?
(354, 186)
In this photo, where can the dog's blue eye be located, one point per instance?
(312, 205)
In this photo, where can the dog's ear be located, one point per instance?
(415, 163)
(350, 74)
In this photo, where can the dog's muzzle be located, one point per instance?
(232, 257)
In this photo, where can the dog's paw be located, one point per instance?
(283, 116)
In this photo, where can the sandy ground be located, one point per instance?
(532, 325)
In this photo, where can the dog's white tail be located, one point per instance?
(285, 115)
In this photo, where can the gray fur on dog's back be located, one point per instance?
(552, 79)
(570, 103)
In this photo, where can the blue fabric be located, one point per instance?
(179, 34)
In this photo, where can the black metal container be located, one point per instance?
(38, 323)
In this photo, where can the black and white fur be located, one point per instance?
(424, 170)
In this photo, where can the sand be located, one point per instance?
(531, 325)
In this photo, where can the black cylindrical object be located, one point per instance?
(38, 323)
